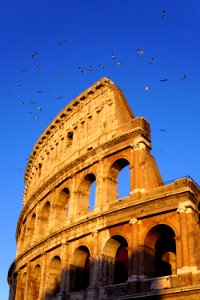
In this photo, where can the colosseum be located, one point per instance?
(76, 238)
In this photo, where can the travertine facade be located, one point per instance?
(143, 246)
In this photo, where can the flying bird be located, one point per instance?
(146, 88)
(39, 91)
(34, 54)
(90, 68)
(162, 130)
(183, 77)
(18, 83)
(164, 80)
(39, 108)
(36, 117)
(38, 67)
(152, 60)
(140, 51)
(101, 66)
(163, 14)
(59, 97)
(80, 69)
(113, 56)
(60, 43)
(118, 64)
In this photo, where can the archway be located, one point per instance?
(80, 269)
(34, 286)
(44, 218)
(54, 276)
(160, 251)
(119, 183)
(87, 193)
(115, 261)
(62, 206)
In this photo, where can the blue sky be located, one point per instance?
(33, 90)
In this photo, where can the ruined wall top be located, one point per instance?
(97, 115)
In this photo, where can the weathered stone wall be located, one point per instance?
(145, 243)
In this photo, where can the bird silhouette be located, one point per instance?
(183, 77)
(163, 14)
(146, 88)
(140, 51)
(101, 66)
(164, 80)
(118, 64)
(80, 69)
(34, 54)
(61, 42)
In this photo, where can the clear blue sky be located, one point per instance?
(91, 31)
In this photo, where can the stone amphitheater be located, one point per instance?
(69, 247)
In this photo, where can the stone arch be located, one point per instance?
(80, 269)
(30, 229)
(22, 235)
(44, 217)
(34, 286)
(115, 185)
(160, 251)
(62, 205)
(115, 261)
(54, 276)
(86, 193)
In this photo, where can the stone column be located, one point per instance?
(43, 277)
(27, 285)
(134, 251)
(184, 237)
(94, 269)
(65, 275)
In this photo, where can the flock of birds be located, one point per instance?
(117, 64)
(91, 68)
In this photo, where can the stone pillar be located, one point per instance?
(27, 285)
(134, 251)
(73, 199)
(184, 237)
(65, 276)
(43, 277)
(94, 271)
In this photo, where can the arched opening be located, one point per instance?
(80, 269)
(62, 206)
(119, 183)
(160, 251)
(44, 218)
(30, 229)
(34, 286)
(87, 193)
(92, 195)
(54, 277)
(21, 243)
(115, 261)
